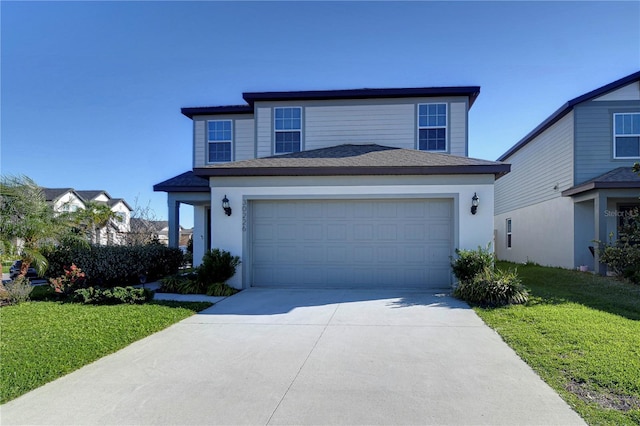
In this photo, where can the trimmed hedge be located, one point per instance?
(115, 265)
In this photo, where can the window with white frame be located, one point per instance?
(432, 127)
(626, 135)
(288, 129)
(508, 233)
(219, 140)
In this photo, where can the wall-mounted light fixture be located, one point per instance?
(225, 206)
(475, 201)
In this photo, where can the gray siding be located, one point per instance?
(390, 122)
(540, 171)
(594, 137)
(199, 142)
(389, 125)
(243, 137)
(458, 129)
(263, 131)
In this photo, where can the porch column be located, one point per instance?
(174, 222)
(599, 207)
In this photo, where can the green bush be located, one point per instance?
(188, 284)
(116, 265)
(469, 263)
(112, 296)
(16, 291)
(217, 267)
(493, 288)
(623, 256)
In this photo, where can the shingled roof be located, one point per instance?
(352, 160)
(53, 194)
(185, 182)
(620, 178)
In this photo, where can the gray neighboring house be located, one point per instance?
(571, 181)
(337, 188)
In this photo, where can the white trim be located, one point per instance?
(509, 233)
(209, 142)
(615, 135)
(273, 113)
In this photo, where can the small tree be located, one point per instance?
(93, 218)
(28, 222)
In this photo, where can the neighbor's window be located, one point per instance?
(288, 130)
(626, 135)
(508, 233)
(219, 138)
(432, 127)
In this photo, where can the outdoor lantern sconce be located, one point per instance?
(474, 203)
(225, 206)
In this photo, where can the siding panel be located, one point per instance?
(458, 128)
(389, 125)
(537, 168)
(199, 141)
(263, 131)
(594, 137)
(244, 137)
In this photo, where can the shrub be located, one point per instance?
(623, 256)
(16, 291)
(493, 288)
(221, 290)
(471, 262)
(72, 279)
(188, 284)
(112, 296)
(116, 265)
(217, 267)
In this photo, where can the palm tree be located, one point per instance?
(94, 218)
(27, 222)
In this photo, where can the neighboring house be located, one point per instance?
(146, 230)
(70, 200)
(63, 199)
(339, 188)
(571, 181)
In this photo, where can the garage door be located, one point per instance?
(351, 243)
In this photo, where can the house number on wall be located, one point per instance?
(244, 215)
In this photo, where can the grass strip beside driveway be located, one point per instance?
(581, 334)
(42, 341)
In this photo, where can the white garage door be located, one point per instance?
(352, 243)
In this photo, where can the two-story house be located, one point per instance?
(571, 182)
(71, 200)
(355, 188)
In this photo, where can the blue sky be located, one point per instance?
(91, 91)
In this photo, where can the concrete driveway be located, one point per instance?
(269, 356)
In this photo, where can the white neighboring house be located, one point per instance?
(571, 181)
(337, 188)
(70, 200)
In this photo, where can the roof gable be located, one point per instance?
(54, 194)
(568, 107)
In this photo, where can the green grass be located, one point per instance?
(42, 341)
(581, 334)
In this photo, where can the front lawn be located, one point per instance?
(581, 334)
(42, 341)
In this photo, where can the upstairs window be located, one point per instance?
(288, 130)
(219, 138)
(432, 127)
(626, 135)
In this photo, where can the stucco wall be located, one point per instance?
(470, 231)
(541, 233)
